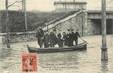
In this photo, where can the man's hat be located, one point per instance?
(68, 29)
(54, 29)
(71, 29)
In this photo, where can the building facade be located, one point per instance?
(69, 5)
(94, 22)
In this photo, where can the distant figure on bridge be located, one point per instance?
(40, 36)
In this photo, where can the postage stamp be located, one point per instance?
(29, 62)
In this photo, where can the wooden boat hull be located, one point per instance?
(80, 47)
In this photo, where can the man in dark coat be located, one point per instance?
(59, 40)
(71, 37)
(68, 38)
(65, 39)
(40, 36)
(53, 39)
(76, 37)
(46, 40)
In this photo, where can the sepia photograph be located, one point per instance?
(56, 36)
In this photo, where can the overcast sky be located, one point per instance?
(47, 5)
(42, 5)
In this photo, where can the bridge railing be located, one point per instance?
(16, 37)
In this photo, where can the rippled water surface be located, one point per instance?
(88, 61)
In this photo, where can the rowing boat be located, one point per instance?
(80, 47)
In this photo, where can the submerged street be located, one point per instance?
(88, 61)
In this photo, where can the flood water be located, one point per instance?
(88, 61)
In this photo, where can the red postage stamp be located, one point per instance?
(29, 62)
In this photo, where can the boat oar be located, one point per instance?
(83, 40)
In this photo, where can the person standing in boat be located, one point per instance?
(76, 37)
(46, 40)
(53, 39)
(71, 37)
(65, 39)
(68, 38)
(40, 36)
(59, 40)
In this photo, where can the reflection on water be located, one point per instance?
(75, 62)
(83, 62)
(104, 67)
(4, 53)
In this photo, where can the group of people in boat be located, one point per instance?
(61, 39)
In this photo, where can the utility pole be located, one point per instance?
(7, 25)
(7, 18)
(25, 14)
(104, 55)
(25, 18)
(22, 2)
(82, 19)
